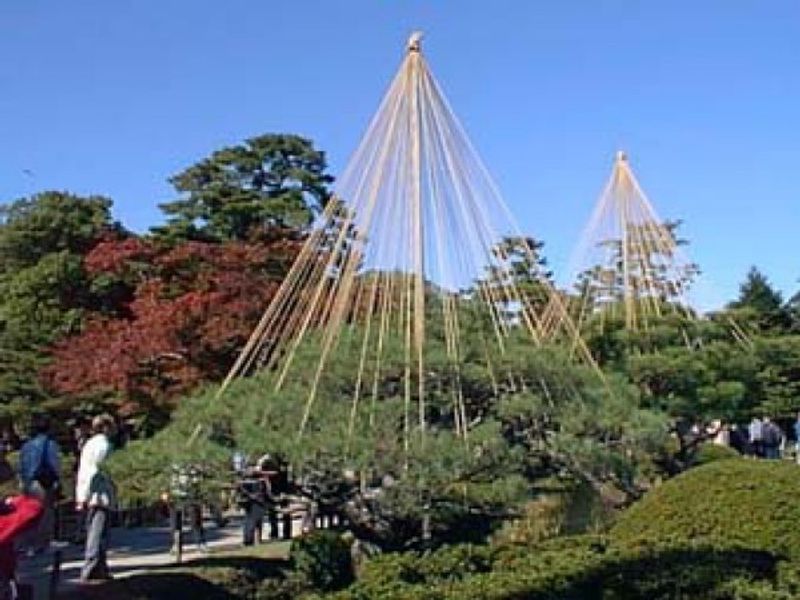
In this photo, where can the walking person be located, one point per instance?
(95, 494)
(40, 477)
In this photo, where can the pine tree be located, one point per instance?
(270, 181)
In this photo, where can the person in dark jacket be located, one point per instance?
(40, 476)
(738, 440)
(771, 439)
(254, 495)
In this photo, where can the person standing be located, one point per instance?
(254, 493)
(771, 439)
(187, 501)
(40, 476)
(756, 431)
(95, 494)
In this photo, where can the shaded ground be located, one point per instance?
(143, 568)
(209, 577)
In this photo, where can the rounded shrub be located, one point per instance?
(708, 453)
(730, 503)
(322, 558)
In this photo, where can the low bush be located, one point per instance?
(584, 567)
(729, 503)
(322, 558)
(708, 453)
(562, 507)
(722, 531)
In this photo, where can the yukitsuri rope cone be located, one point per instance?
(629, 265)
(416, 229)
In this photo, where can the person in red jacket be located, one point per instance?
(18, 514)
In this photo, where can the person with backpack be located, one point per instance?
(253, 494)
(40, 477)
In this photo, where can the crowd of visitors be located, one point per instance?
(29, 519)
(760, 438)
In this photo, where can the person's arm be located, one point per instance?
(83, 479)
(103, 450)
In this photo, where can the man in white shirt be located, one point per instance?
(94, 493)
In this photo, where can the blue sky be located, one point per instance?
(114, 97)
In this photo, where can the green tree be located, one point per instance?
(759, 305)
(525, 272)
(44, 290)
(793, 307)
(269, 181)
(645, 268)
(533, 413)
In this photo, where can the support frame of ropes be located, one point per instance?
(413, 231)
(629, 265)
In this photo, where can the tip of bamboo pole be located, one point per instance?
(414, 42)
(621, 156)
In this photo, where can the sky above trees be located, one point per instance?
(101, 98)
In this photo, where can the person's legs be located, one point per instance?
(252, 523)
(249, 526)
(46, 528)
(272, 517)
(175, 527)
(38, 538)
(196, 517)
(95, 566)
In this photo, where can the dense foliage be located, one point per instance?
(722, 531)
(736, 502)
(93, 316)
(522, 436)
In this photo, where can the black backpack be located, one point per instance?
(45, 474)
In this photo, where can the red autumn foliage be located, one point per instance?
(190, 310)
(114, 256)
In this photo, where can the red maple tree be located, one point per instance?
(179, 316)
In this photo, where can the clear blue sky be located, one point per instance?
(111, 97)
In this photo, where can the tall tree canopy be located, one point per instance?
(272, 180)
(761, 305)
(178, 306)
(185, 312)
(757, 293)
(44, 289)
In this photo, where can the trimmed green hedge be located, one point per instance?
(585, 568)
(727, 530)
(751, 504)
